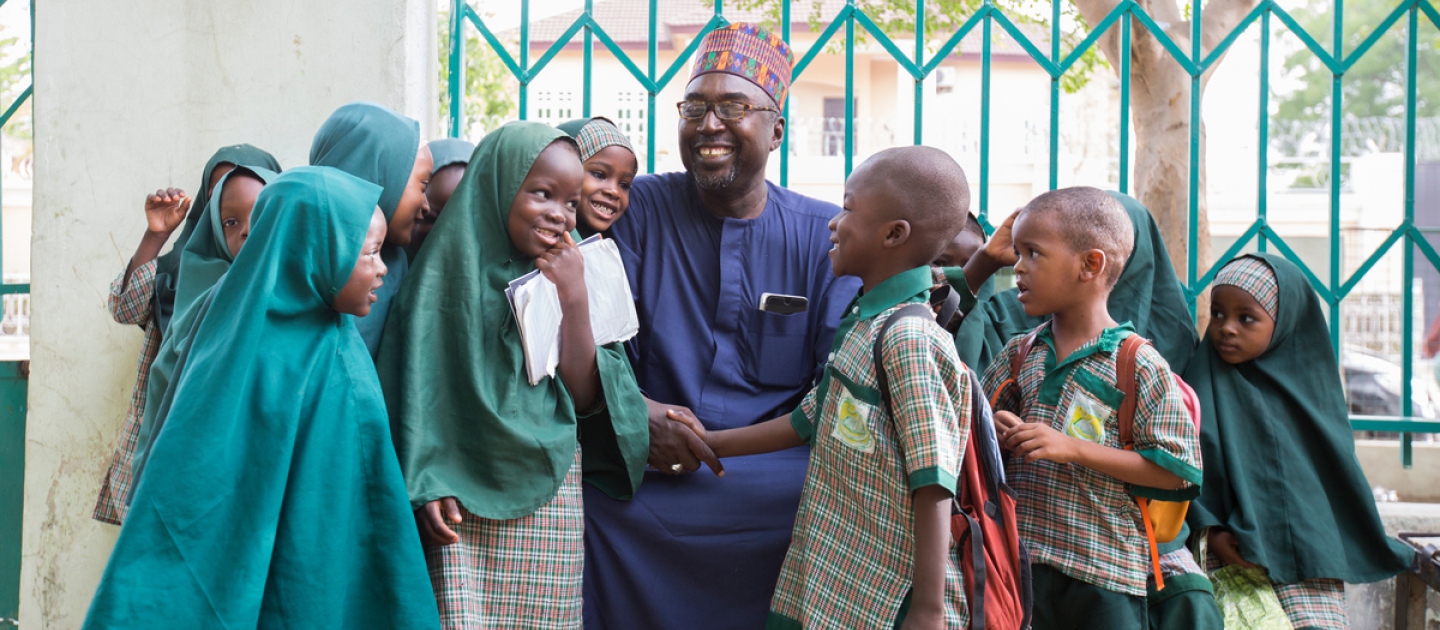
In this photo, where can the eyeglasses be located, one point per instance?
(725, 110)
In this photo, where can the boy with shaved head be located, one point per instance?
(1059, 418)
(879, 487)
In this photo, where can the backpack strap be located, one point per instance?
(1017, 361)
(1125, 378)
(912, 310)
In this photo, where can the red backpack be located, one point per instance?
(983, 528)
(1162, 520)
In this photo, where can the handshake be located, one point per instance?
(678, 442)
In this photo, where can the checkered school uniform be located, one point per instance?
(132, 306)
(521, 573)
(1081, 522)
(1315, 603)
(851, 556)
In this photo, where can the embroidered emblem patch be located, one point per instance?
(1086, 419)
(852, 426)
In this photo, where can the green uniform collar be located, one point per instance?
(905, 286)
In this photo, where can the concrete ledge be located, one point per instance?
(1381, 461)
(1372, 606)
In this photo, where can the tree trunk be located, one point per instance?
(1160, 107)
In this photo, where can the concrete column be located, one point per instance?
(134, 96)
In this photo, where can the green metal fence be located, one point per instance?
(1332, 288)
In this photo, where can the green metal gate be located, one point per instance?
(1332, 287)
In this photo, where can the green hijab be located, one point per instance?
(1280, 467)
(1148, 295)
(203, 262)
(448, 151)
(378, 145)
(273, 498)
(466, 421)
(167, 267)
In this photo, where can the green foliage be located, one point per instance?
(896, 18)
(14, 78)
(489, 90)
(1375, 85)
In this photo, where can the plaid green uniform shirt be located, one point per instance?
(852, 553)
(129, 306)
(1082, 522)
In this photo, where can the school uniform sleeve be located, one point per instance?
(131, 302)
(1164, 432)
(997, 373)
(803, 418)
(930, 399)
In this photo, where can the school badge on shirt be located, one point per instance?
(852, 426)
(1086, 419)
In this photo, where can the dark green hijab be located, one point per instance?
(466, 421)
(376, 144)
(1280, 467)
(203, 262)
(273, 497)
(1148, 295)
(167, 267)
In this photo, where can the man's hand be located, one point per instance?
(673, 442)
(1227, 548)
(165, 211)
(1035, 441)
(432, 521)
(1001, 246)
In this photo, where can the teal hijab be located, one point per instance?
(1148, 295)
(466, 421)
(1280, 467)
(204, 260)
(273, 497)
(449, 151)
(167, 267)
(378, 145)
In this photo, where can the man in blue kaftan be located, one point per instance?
(701, 249)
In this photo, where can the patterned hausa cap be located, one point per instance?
(598, 134)
(1255, 277)
(749, 51)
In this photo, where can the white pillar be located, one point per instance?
(133, 96)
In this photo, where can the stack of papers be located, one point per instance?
(536, 306)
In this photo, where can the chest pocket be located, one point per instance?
(779, 349)
(1089, 413)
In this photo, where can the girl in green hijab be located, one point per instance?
(144, 295)
(449, 157)
(223, 227)
(376, 144)
(493, 464)
(610, 166)
(1282, 487)
(273, 497)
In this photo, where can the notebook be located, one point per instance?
(536, 305)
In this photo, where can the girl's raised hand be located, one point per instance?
(165, 210)
(565, 266)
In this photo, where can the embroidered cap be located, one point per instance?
(749, 51)
(1255, 277)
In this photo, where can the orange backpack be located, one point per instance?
(1163, 520)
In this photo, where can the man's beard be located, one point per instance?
(716, 182)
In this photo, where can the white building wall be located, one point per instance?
(134, 96)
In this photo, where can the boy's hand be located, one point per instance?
(434, 522)
(165, 211)
(1001, 246)
(565, 266)
(671, 442)
(1035, 441)
(1227, 548)
(1004, 421)
(686, 417)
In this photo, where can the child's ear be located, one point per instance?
(1092, 264)
(897, 233)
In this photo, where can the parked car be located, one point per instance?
(1372, 386)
